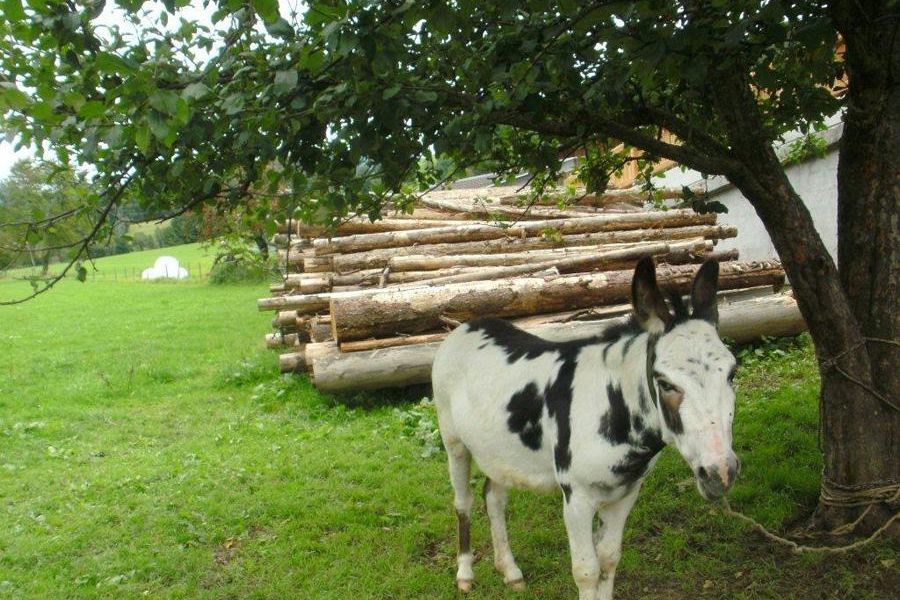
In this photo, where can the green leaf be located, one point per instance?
(43, 111)
(233, 104)
(92, 109)
(13, 11)
(267, 9)
(159, 127)
(74, 99)
(426, 96)
(183, 111)
(280, 28)
(391, 91)
(165, 101)
(195, 90)
(285, 81)
(311, 60)
(12, 97)
(113, 65)
(142, 138)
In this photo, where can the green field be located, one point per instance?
(196, 258)
(148, 448)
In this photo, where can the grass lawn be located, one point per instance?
(148, 448)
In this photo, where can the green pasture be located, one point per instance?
(149, 449)
(196, 258)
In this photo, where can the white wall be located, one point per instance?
(815, 180)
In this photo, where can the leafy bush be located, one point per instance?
(236, 270)
(238, 262)
(420, 423)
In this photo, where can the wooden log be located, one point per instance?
(295, 258)
(378, 259)
(409, 340)
(744, 321)
(420, 262)
(419, 213)
(681, 258)
(303, 283)
(524, 322)
(285, 318)
(293, 362)
(356, 226)
(320, 329)
(319, 351)
(469, 233)
(386, 313)
(490, 207)
(589, 314)
(635, 196)
(566, 264)
(280, 340)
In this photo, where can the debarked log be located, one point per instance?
(742, 321)
(379, 258)
(385, 313)
(470, 233)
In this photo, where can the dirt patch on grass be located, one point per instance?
(225, 553)
(759, 570)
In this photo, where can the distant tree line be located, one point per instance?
(37, 190)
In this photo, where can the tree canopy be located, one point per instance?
(44, 212)
(351, 101)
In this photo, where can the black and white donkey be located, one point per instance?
(588, 417)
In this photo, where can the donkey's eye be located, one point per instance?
(667, 387)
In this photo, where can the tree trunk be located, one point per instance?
(859, 443)
(862, 432)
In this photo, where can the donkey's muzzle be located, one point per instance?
(714, 481)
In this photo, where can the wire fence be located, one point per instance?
(194, 272)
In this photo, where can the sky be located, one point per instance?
(195, 11)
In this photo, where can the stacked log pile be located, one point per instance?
(367, 305)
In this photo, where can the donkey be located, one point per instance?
(588, 417)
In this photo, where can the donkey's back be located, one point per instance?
(491, 402)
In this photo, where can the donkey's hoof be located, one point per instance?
(464, 585)
(517, 584)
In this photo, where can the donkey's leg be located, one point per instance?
(460, 461)
(495, 497)
(578, 511)
(609, 544)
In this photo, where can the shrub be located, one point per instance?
(238, 270)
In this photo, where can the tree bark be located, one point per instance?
(863, 433)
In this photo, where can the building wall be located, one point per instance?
(815, 180)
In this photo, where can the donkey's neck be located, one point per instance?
(627, 364)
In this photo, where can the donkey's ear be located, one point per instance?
(648, 302)
(704, 304)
